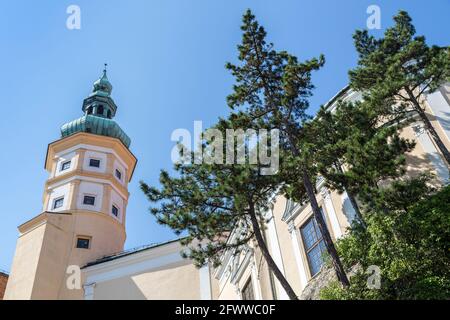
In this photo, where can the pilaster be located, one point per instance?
(106, 199)
(73, 195)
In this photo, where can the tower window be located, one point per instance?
(118, 174)
(89, 110)
(58, 203)
(94, 163)
(109, 114)
(83, 243)
(89, 200)
(115, 211)
(65, 165)
(100, 110)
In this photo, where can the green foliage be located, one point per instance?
(272, 87)
(407, 227)
(410, 244)
(208, 201)
(395, 72)
(397, 61)
(353, 136)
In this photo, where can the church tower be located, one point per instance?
(84, 203)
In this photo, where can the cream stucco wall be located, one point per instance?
(47, 246)
(170, 282)
(156, 272)
(25, 263)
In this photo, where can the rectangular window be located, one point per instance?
(89, 200)
(314, 245)
(115, 211)
(65, 165)
(118, 174)
(58, 203)
(94, 163)
(83, 243)
(247, 291)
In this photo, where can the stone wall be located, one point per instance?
(320, 281)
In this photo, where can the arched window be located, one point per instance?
(100, 110)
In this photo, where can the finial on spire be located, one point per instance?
(102, 85)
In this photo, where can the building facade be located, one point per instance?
(82, 224)
(292, 235)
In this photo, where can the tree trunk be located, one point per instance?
(331, 249)
(266, 254)
(429, 127)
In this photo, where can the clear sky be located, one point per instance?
(166, 63)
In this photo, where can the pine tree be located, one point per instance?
(212, 200)
(273, 88)
(400, 68)
(354, 150)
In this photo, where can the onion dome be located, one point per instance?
(99, 110)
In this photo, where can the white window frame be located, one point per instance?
(120, 173)
(89, 195)
(118, 211)
(61, 169)
(99, 163)
(54, 207)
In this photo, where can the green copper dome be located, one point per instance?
(99, 109)
(95, 125)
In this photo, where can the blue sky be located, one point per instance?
(166, 62)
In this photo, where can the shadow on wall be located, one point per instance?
(348, 210)
(173, 281)
(416, 165)
(119, 289)
(430, 162)
(445, 121)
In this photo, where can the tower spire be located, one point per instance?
(99, 110)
